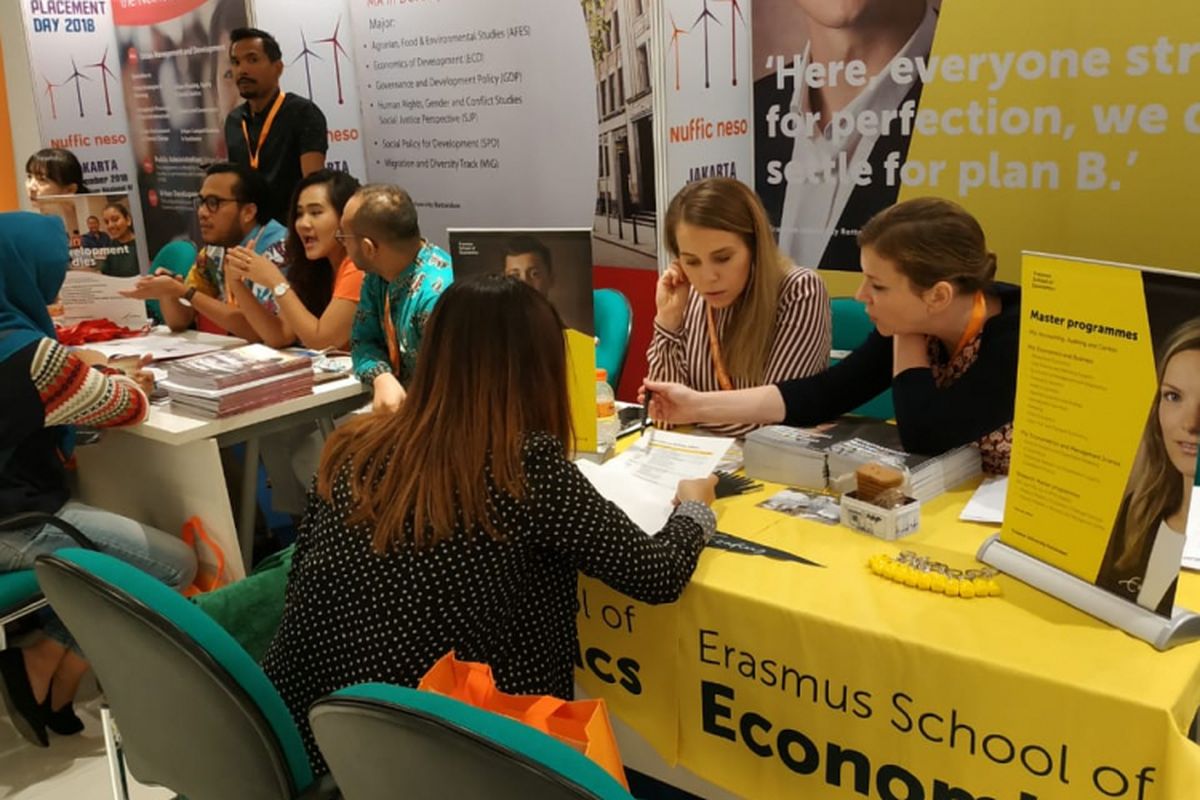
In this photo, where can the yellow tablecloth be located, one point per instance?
(775, 679)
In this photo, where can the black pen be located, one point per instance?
(645, 414)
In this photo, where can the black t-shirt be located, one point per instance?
(299, 127)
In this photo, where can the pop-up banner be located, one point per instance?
(178, 88)
(1107, 423)
(78, 92)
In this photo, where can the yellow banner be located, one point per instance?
(1085, 385)
(1067, 127)
(627, 656)
(581, 364)
(775, 680)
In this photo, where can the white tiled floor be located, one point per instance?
(72, 768)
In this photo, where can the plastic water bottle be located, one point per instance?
(607, 424)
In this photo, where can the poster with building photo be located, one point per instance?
(1106, 424)
(103, 247)
(620, 37)
(557, 263)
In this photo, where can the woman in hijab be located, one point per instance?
(43, 389)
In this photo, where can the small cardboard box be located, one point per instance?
(885, 523)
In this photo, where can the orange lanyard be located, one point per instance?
(714, 346)
(266, 129)
(975, 324)
(389, 328)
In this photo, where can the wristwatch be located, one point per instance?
(187, 296)
(281, 289)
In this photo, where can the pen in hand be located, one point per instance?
(646, 423)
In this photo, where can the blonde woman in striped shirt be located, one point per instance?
(732, 311)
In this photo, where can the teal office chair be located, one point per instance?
(178, 257)
(614, 322)
(851, 326)
(387, 741)
(195, 713)
(19, 592)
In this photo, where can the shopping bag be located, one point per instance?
(210, 559)
(582, 724)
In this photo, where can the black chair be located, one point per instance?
(194, 712)
(391, 742)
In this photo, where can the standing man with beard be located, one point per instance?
(282, 136)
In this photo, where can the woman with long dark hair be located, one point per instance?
(319, 296)
(459, 522)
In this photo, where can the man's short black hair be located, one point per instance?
(520, 245)
(270, 46)
(386, 214)
(251, 187)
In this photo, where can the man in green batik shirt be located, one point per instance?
(405, 277)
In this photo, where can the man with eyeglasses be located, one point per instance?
(231, 211)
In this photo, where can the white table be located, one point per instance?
(168, 469)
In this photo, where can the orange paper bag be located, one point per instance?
(583, 724)
(210, 559)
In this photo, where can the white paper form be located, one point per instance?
(664, 458)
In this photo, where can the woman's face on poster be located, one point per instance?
(116, 224)
(1179, 410)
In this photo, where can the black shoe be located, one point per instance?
(24, 711)
(63, 722)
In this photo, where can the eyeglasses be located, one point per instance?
(211, 202)
(342, 236)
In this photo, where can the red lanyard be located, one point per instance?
(714, 346)
(975, 324)
(266, 129)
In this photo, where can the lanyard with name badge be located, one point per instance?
(266, 129)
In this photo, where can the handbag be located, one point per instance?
(210, 559)
(582, 724)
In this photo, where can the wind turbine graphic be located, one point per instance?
(76, 76)
(50, 87)
(676, 33)
(704, 17)
(105, 74)
(337, 48)
(305, 53)
(735, 10)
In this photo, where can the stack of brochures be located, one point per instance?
(234, 381)
(815, 458)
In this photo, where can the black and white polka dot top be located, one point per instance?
(354, 616)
